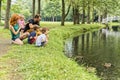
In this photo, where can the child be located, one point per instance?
(32, 37)
(37, 29)
(33, 34)
(22, 23)
(42, 39)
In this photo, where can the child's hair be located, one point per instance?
(37, 16)
(21, 16)
(13, 19)
(36, 27)
(44, 30)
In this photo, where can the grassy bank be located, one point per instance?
(114, 24)
(49, 63)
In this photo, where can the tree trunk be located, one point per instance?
(0, 9)
(105, 13)
(76, 15)
(53, 19)
(93, 13)
(39, 6)
(88, 16)
(83, 17)
(63, 13)
(7, 14)
(33, 8)
(56, 19)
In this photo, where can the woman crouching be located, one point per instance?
(15, 29)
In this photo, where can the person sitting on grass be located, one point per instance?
(43, 38)
(22, 23)
(33, 35)
(30, 25)
(15, 29)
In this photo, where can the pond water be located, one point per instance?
(99, 49)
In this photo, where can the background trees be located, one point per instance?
(51, 11)
(78, 11)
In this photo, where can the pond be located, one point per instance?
(99, 50)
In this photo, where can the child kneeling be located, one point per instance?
(33, 35)
(43, 38)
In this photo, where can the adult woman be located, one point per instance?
(15, 29)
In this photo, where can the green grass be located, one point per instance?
(4, 33)
(114, 24)
(48, 63)
(2, 23)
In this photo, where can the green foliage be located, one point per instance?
(48, 63)
(52, 9)
(20, 6)
(2, 23)
(15, 8)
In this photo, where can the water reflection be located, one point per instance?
(96, 50)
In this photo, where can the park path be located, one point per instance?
(4, 46)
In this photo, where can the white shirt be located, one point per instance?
(41, 38)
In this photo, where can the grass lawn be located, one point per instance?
(114, 24)
(28, 62)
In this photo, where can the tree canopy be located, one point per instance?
(64, 10)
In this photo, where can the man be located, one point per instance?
(32, 22)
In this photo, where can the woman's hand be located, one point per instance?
(13, 30)
(20, 26)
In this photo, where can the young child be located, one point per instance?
(22, 23)
(37, 30)
(42, 39)
(33, 34)
(32, 37)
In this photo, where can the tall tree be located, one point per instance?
(39, 6)
(88, 12)
(7, 14)
(0, 9)
(64, 15)
(83, 13)
(33, 12)
(76, 12)
(76, 15)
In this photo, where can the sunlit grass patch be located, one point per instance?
(49, 63)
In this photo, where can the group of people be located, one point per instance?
(30, 30)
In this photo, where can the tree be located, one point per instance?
(52, 10)
(76, 15)
(76, 12)
(7, 14)
(33, 12)
(83, 13)
(0, 9)
(39, 6)
(64, 15)
(88, 12)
